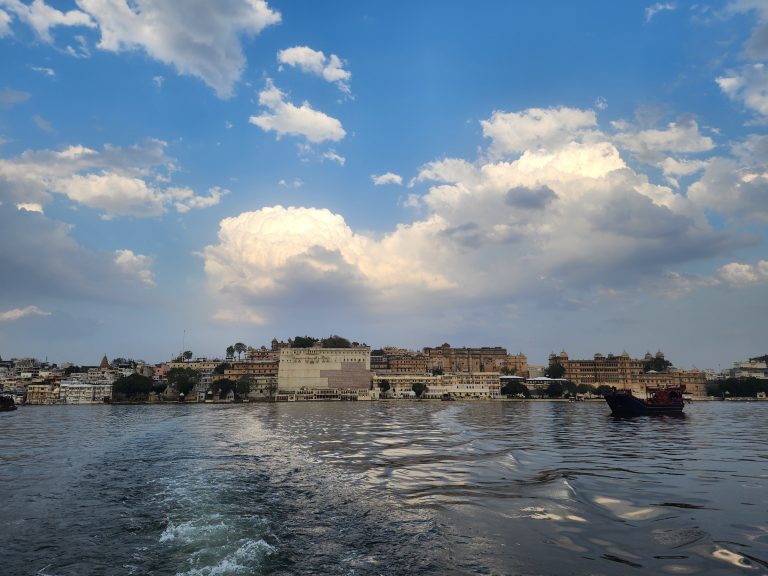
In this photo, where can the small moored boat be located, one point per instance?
(659, 400)
(7, 404)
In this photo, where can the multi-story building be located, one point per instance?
(457, 385)
(325, 371)
(485, 359)
(401, 385)
(75, 392)
(628, 373)
(41, 393)
(752, 368)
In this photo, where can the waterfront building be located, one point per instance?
(326, 372)
(401, 385)
(250, 369)
(627, 373)
(752, 368)
(76, 392)
(43, 393)
(485, 359)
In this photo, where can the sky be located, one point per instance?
(543, 176)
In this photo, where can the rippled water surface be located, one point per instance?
(383, 488)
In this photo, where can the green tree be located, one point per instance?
(187, 355)
(420, 388)
(604, 389)
(240, 348)
(272, 389)
(183, 379)
(223, 386)
(230, 351)
(437, 371)
(658, 364)
(384, 386)
(221, 368)
(506, 371)
(554, 370)
(335, 341)
(515, 389)
(586, 389)
(243, 387)
(555, 390)
(132, 387)
(303, 342)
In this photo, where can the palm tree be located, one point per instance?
(240, 348)
(230, 351)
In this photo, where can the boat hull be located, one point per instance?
(628, 405)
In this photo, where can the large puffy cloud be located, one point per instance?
(137, 265)
(116, 181)
(736, 186)
(330, 68)
(552, 211)
(284, 118)
(197, 37)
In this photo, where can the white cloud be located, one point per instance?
(736, 186)
(562, 217)
(17, 313)
(674, 168)
(116, 181)
(387, 178)
(738, 275)
(295, 183)
(10, 97)
(43, 124)
(30, 207)
(286, 118)
(514, 132)
(158, 80)
(45, 71)
(5, 24)
(197, 37)
(315, 62)
(654, 9)
(749, 86)
(136, 265)
(41, 17)
(682, 137)
(333, 156)
(238, 316)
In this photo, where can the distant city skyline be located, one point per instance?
(588, 177)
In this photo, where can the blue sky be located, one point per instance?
(541, 176)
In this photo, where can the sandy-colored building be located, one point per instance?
(628, 373)
(485, 359)
(328, 369)
(42, 393)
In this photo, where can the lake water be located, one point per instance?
(391, 487)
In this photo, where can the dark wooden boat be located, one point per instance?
(660, 400)
(7, 404)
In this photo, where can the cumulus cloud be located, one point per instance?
(17, 313)
(654, 9)
(136, 265)
(41, 17)
(736, 186)
(549, 210)
(315, 62)
(116, 181)
(387, 178)
(30, 207)
(197, 37)
(682, 137)
(284, 118)
(738, 274)
(674, 169)
(748, 85)
(5, 24)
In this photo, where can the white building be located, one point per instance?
(753, 368)
(74, 392)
